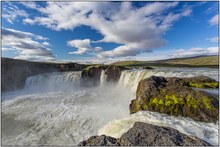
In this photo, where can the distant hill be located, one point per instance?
(199, 61)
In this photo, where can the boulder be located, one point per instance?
(113, 73)
(143, 134)
(174, 96)
(100, 141)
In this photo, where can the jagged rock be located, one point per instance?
(114, 72)
(147, 67)
(100, 141)
(174, 96)
(91, 75)
(143, 134)
(15, 72)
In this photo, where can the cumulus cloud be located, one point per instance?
(214, 20)
(195, 52)
(27, 45)
(137, 29)
(11, 12)
(83, 46)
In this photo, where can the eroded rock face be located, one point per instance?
(174, 96)
(143, 134)
(91, 75)
(113, 73)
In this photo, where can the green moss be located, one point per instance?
(135, 107)
(204, 85)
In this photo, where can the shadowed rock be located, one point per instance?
(142, 134)
(174, 96)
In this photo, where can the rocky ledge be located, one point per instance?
(91, 75)
(176, 96)
(142, 134)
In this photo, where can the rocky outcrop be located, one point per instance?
(142, 134)
(100, 141)
(91, 75)
(174, 96)
(15, 72)
(113, 73)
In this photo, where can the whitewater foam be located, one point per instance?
(54, 109)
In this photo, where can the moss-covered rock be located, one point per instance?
(174, 96)
(202, 82)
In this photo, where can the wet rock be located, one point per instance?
(114, 72)
(143, 134)
(174, 96)
(91, 75)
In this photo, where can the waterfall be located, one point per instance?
(102, 78)
(52, 81)
(131, 78)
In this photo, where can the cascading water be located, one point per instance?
(102, 78)
(131, 78)
(52, 81)
(57, 116)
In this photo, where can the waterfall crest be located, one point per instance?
(57, 80)
(131, 78)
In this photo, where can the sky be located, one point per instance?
(104, 32)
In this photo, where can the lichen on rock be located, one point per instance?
(174, 96)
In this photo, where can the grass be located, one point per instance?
(202, 61)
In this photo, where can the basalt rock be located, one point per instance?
(114, 72)
(174, 96)
(91, 75)
(143, 134)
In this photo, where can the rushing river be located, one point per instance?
(55, 108)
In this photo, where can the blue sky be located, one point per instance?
(108, 31)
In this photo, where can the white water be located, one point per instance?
(54, 109)
(102, 79)
(131, 78)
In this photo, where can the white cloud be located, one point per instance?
(195, 52)
(83, 46)
(11, 12)
(213, 39)
(137, 29)
(27, 44)
(214, 20)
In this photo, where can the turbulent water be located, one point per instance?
(55, 109)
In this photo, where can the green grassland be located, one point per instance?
(201, 61)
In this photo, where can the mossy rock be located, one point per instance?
(174, 96)
(202, 82)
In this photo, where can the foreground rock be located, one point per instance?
(142, 134)
(174, 96)
(15, 72)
